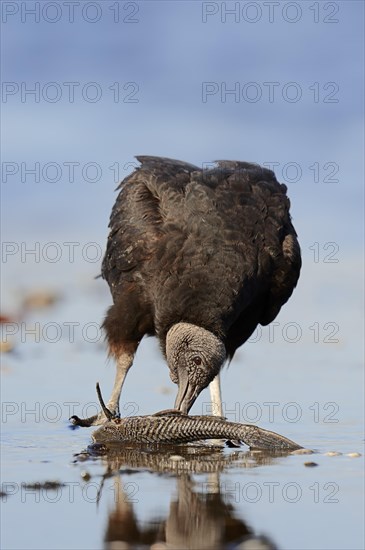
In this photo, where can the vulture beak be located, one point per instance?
(194, 356)
(187, 393)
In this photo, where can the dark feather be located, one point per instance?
(215, 248)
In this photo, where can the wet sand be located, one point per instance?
(56, 495)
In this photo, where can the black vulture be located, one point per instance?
(198, 258)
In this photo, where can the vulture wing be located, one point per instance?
(138, 215)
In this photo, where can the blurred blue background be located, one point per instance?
(113, 80)
(139, 74)
(167, 52)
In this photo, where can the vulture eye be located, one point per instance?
(197, 360)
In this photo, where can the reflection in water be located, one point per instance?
(123, 529)
(200, 514)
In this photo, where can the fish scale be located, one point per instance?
(180, 428)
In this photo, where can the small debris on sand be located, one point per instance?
(40, 299)
(302, 452)
(310, 464)
(39, 486)
(353, 455)
(4, 319)
(164, 390)
(333, 453)
(6, 346)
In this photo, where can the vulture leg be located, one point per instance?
(124, 362)
(216, 396)
(217, 409)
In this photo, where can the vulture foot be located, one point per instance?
(104, 415)
(95, 420)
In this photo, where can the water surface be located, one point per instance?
(187, 497)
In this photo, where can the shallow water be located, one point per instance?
(301, 377)
(182, 497)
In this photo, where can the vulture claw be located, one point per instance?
(104, 415)
(95, 420)
(84, 422)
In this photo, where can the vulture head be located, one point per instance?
(194, 356)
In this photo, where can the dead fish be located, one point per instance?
(175, 427)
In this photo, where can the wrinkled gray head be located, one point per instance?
(195, 356)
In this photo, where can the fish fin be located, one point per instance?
(169, 412)
(213, 417)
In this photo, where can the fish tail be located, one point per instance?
(259, 438)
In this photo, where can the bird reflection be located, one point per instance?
(202, 513)
(198, 520)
